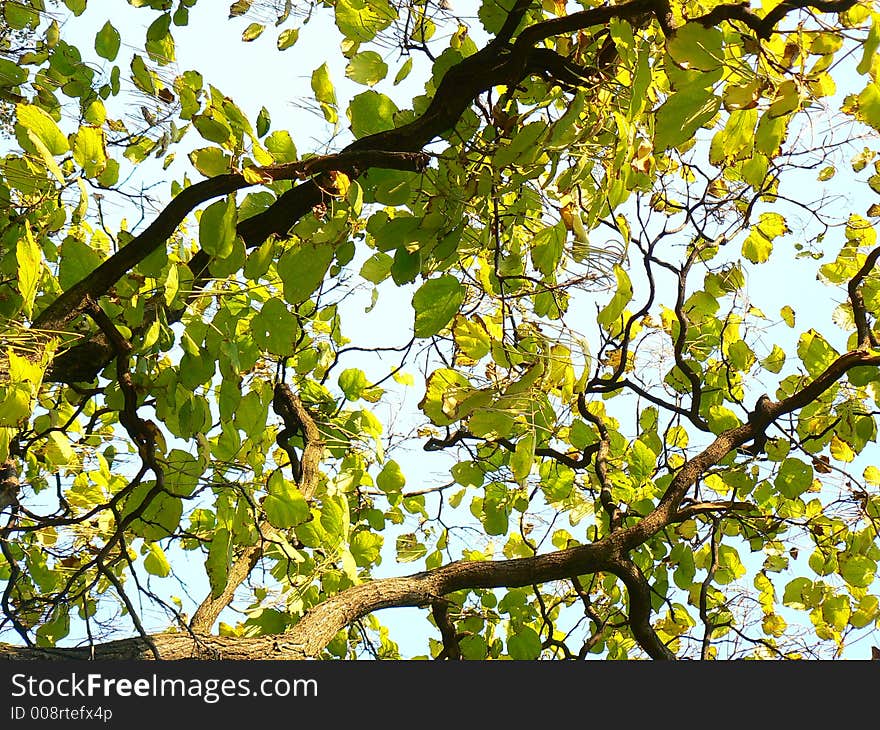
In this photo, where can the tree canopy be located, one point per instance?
(624, 401)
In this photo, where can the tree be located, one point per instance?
(581, 204)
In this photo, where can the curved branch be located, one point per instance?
(766, 411)
(864, 334)
(764, 27)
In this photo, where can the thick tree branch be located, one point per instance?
(499, 62)
(210, 609)
(765, 26)
(864, 334)
(297, 419)
(440, 612)
(306, 472)
(766, 412)
(69, 305)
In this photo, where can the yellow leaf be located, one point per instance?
(841, 450)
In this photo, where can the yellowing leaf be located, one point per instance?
(622, 296)
(89, 152)
(841, 450)
(30, 265)
(870, 46)
(35, 120)
(156, 563)
(787, 99)
(815, 352)
(324, 93)
(287, 38)
(252, 32)
(366, 68)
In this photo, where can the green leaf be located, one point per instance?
(160, 42)
(334, 518)
(19, 17)
(867, 611)
(367, 68)
(523, 457)
(281, 146)
(325, 94)
(275, 329)
(445, 388)
(472, 337)
(694, 46)
(787, 314)
(239, 7)
(391, 478)
(815, 352)
(524, 147)
(858, 570)
(285, 505)
(107, 41)
(252, 32)
(775, 360)
(78, 260)
(58, 450)
(524, 644)
(353, 382)
(211, 128)
(217, 227)
(759, 243)
(89, 152)
(11, 74)
(158, 516)
(642, 461)
(435, 303)
(622, 296)
(302, 269)
(360, 20)
(182, 472)
(143, 77)
(77, 7)
(872, 475)
(210, 161)
(870, 46)
(493, 14)
(365, 548)
(796, 592)
(841, 450)
(794, 478)
(377, 267)
(721, 419)
(868, 109)
(218, 561)
(547, 248)
(491, 424)
(467, 473)
(404, 71)
(682, 114)
(370, 113)
(250, 416)
(264, 121)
